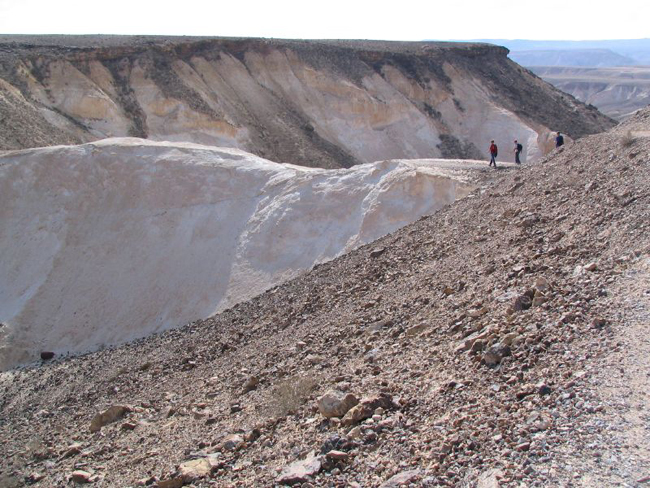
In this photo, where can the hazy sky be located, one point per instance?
(334, 19)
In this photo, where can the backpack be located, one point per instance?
(519, 147)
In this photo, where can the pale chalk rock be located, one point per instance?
(174, 232)
(490, 479)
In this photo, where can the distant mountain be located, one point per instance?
(598, 58)
(610, 75)
(637, 50)
(617, 92)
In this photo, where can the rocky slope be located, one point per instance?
(469, 338)
(317, 103)
(110, 241)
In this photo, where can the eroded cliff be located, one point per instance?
(314, 103)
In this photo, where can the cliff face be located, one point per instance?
(315, 103)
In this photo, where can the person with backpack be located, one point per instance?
(518, 149)
(559, 140)
(494, 151)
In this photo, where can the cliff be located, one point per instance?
(315, 103)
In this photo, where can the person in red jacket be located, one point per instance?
(494, 151)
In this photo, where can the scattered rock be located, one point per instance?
(490, 479)
(176, 482)
(335, 403)
(510, 339)
(524, 446)
(416, 330)
(146, 481)
(366, 408)
(522, 302)
(129, 425)
(337, 455)
(598, 323)
(73, 450)
(402, 479)
(376, 252)
(35, 477)
(47, 355)
(191, 471)
(300, 471)
(232, 442)
(542, 388)
(495, 354)
(80, 477)
(251, 384)
(112, 414)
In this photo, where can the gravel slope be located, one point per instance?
(477, 335)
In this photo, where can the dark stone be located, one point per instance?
(522, 302)
(543, 388)
(378, 251)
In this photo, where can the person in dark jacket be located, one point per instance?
(559, 140)
(517, 150)
(494, 151)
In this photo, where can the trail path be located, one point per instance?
(612, 448)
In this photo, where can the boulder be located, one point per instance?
(335, 403)
(112, 414)
(232, 442)
(366, 408)
(80, 477)
(376, 252)
(251, 384)
(300, 471)
(404, 478)
(191, 471)
(176, 482)
(495, 354)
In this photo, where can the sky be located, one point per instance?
(334, 19)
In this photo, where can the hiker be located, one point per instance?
(494, 151)
(518, 149)
(559, 140)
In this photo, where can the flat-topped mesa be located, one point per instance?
(310, 102)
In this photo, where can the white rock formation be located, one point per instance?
(110, 241)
